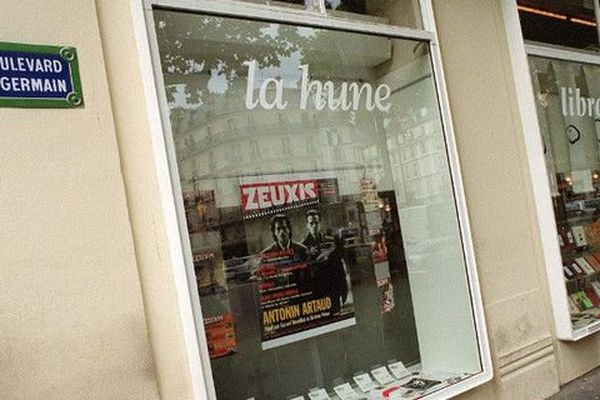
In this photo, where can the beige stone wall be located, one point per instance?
(498, 189)
(72, 323)
(118, 23)
(88, 300)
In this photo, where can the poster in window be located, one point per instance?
(207, 256)
(294, 228)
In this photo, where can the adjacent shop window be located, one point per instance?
(320, 210)
(570, 23)
(568, 104)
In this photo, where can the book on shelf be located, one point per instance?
(592, 296)
(587, 268)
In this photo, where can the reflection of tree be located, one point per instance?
(191, 43)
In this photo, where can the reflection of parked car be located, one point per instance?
(211, 289)
(350, 235)
(240, 269)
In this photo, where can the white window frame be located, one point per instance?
(168, 176)
(520, 50)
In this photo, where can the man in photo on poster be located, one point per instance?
(314, 239)
(327, 254)
(283, 245)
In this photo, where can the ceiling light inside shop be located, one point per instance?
(583, 21)
(542, 12)
(562, 17)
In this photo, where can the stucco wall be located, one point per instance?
(72, 324)
(498, 189)
(141, 144)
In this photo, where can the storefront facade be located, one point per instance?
(283, 201)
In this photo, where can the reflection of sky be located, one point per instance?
(335, 3)
(180, 98)
(271, 30)
(288, 70)
(217, 83)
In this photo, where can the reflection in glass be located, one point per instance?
(568, 104)
(319, 206)
(393, 12)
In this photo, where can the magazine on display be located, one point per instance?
(346, 392)
(207, 256)
(364, 382)
(421, 384)
(302, 282)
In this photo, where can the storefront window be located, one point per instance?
(568, 104)
(569, 23)
(320, 210)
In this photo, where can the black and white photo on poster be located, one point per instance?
(294, 235)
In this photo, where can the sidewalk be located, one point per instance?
(585, 388)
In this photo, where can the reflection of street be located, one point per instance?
(240, 269)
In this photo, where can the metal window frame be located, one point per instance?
(539, 176)
(171, 198)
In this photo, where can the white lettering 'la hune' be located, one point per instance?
(323, 94)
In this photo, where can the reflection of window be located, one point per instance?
(311, 148)
(282, 118)
(331, 137)
(254, 150)
(305, 119)
(286, 146)
(231, 125)
(235, 153)
(211, 162)
(345, 137)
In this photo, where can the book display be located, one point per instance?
(323, 227)
(410, 386)
(579, 240)
(566, 92)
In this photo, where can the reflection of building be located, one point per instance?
(243, 139)
(418, 154)
(237, 142)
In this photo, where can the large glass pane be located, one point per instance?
(568, 104)
(570, 23)
(320, 210)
